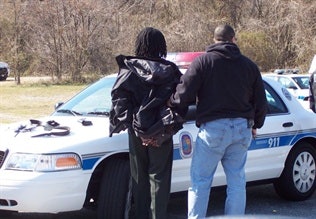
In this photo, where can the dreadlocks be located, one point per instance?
(150, 42)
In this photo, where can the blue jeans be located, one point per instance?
(225, 140)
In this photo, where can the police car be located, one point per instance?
(297, 84)
(66, 161)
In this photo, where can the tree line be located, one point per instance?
(79, 39)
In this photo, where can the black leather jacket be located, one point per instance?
(139, 97)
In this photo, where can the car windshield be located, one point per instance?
(95, 100)
(302, 82)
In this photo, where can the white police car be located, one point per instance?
(297, 84)
(66, 161)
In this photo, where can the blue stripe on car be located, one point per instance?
(264, 141)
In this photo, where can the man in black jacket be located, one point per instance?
(139, 96)
(231, 104)
(312, 91)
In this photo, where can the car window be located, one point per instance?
(286, 82)
(96, 102)
(96, 99)
(303, 82)
(275, 103)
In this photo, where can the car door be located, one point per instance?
(184, 142)
(267, 152)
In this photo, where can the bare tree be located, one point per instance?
(75, 37)
(303, 15)
(64, 31)
(17, 39)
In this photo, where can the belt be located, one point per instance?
(51, 127)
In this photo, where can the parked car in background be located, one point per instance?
(4, 71)
(67, 161)
(297, 84)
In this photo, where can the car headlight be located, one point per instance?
(44, 162)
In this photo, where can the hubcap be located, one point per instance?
(304, 172)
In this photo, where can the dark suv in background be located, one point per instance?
(4, 71)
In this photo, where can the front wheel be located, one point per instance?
(115, 193)
(297, 181)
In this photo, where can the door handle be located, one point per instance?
(287, 124)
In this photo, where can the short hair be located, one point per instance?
(150, 42)
(224, 33)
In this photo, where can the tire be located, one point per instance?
(297, 181)
(115, 192)
(5, 213)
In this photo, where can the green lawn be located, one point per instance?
(31, 100)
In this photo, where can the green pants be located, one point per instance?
(151, 172)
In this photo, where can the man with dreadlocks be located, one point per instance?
(139, 96)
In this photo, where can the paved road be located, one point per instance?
(262, 202)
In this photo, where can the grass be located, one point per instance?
(31, 99)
